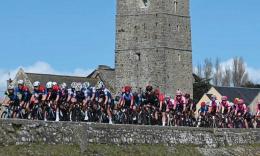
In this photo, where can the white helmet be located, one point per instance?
(20, 82)
(49, 85)
(54, 83)
(63, 85)
(78, 87)
(86, 85)
(36, 84)
(73, 85)
(10, 87)
(100, 85)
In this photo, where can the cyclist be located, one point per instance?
(179, 106)
(24, 95)
(162, 105)
(213, 105)
(53, 96)
(224, 105)
(104, 95)
(11, 100)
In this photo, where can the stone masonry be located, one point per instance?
(25, 132)
(153, 45)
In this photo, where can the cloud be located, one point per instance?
(38, 67)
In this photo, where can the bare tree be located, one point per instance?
(199, 70)
(239, 74)
(208, 68)
(217, 77)
(226, 79)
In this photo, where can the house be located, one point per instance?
(29, 78)
(105, 74)
(250, 95)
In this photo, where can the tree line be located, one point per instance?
(218, 74)
(213, 73)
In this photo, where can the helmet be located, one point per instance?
(49, 85)
(157, 91)
(73, 85)
(36, 84)
(78, 87)
(224, 98)
(167, 97)
(86, 85)
(241, 101)
(100, 85)
(54, 83)
(236, 100)
(202, 104)
(187, 96)
(178, 93)
(149, 88)
(213, 97)
(127, 88)
(20, 82)
(63, 85)
(10, 87)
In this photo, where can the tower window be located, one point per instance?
(175, 6)
(178, 28)
(145, 2)
(179, 56)
(138, 56)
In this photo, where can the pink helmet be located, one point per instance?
(241, 101)
(224, 98)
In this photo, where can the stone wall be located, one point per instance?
(20, 132)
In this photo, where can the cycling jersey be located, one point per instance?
(24, 92)
(39, 92)
(80, 96)
(127, 97)
(170, 103)
(151, 99)
(203, 109)
(52, 94)
(225, 105)
(64, 94)
(102, 93)
(72, 92)
(214, 105)
(190, 105)
(14, 99)
(89, 92)
(241, 108)
(179, 103)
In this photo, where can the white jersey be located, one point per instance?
(210, 103)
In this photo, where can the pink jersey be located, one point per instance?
(179, 102)
(241, 107)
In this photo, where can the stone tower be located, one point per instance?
(153, 45)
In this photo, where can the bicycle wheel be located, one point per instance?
(4, 115)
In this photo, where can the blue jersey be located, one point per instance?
(101, 94)
(127, 97)
(203, 109)
(14, 98)
(90, 91)
(24, 92)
